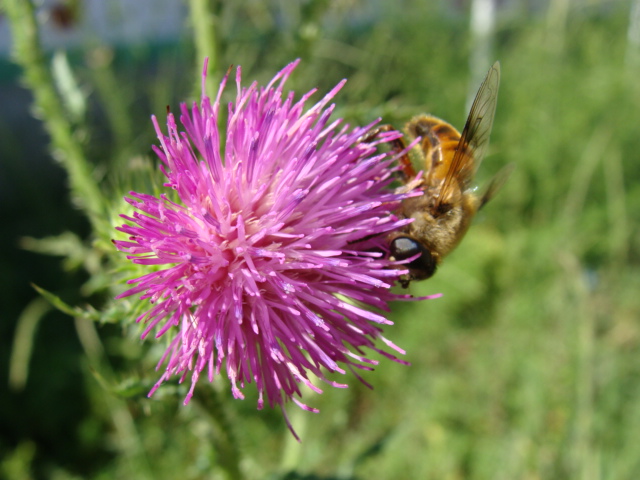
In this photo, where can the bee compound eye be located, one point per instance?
(422, 267)
(404, 247)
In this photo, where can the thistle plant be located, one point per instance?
(271, 243)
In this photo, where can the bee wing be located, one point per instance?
(496, 184)
(475, 135)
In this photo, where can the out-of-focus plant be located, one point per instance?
(529, 365)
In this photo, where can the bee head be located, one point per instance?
(420, 268)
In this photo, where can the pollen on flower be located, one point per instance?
(273, 266)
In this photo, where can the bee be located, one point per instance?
(442, 214)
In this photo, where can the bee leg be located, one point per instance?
(399, 146)
(372, 134)
(406, 167)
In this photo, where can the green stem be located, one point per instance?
(65, 147)
(116, 101)
(213, 406)
(204, 37)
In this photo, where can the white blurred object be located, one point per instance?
(482, 24)
(633, 36)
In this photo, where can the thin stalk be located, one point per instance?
(204, 38)
(129, 443)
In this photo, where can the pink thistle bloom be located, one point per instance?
(273, 258)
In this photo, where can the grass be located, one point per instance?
(529, 366)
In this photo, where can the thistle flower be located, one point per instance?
(272, 254)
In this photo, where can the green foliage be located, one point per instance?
(527, 367)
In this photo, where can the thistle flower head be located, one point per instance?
(272, 246)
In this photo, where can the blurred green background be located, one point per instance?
(527, 368)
